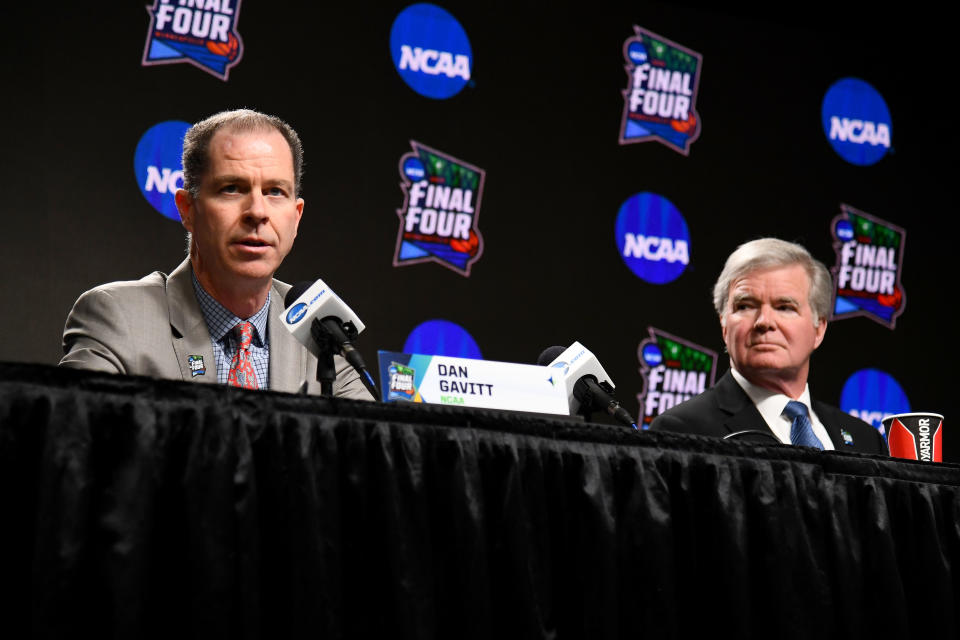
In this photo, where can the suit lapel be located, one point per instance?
(829, 420)
(191, 338)
(288, 366)
(742, 413)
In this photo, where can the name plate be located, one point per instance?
(471, 383)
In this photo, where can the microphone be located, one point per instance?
(325, 325)
(548, 355)
(589, 387)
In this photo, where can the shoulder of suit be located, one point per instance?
(848, 420)
(699, 415)
(148, 290)
(695, 406)
(281, 287)
(156, 280)
(858, 429)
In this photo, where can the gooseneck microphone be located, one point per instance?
(325, 325)
(589, 388)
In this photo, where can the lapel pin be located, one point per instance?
(847, 438)
(196, 366)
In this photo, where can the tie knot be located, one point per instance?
(244, 333)
(795, 408)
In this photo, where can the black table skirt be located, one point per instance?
(141, 508)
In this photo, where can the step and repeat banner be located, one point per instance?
(486, 181)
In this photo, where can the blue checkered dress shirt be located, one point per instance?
(221, 322)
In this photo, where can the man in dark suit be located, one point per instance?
(773, 299)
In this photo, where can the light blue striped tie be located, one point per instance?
(801, 429)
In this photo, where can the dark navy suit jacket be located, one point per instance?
(726, 408)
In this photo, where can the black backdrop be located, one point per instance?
(541, 117)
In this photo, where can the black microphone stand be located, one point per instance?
(598, 396)
(335, 337)
(328, 347)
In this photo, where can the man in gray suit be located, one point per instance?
(773, 299)
(214, 318)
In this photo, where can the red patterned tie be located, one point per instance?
(242, 373)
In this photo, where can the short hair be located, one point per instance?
(196, 143)
(768, 253)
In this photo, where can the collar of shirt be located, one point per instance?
(220, 320)
(771, 405)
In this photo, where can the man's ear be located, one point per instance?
(821, 329)
(185, 206)
(300, 204)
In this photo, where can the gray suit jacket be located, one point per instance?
(726, 408)
(151, 327)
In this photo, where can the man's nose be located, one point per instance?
(256, 209)
(764, 319)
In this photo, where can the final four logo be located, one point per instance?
(441, 205)
(661, 93)
(673, 371)
(869, 264)
(199, 32)
(402, 386)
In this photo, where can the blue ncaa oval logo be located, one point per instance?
(653, 238)
(856, 121)
(844, 230)
(637, 52)
(652, 355)
(442, 338)
(871, 394)
(414, 169)
(157, 165)
(431, 51)
(296, 313)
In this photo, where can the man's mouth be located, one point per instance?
(253, 242)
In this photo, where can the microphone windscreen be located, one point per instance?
(295, 292)
(549, 355)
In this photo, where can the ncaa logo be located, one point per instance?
(431, 51)
(413, 168)
(157, 165)
(856, 121)
(637, 53)
(652, 238)
(296, 313)
(871, 395)
(442, 338)
(651, 354)
(844, 230)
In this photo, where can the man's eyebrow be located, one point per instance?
(228, 178)
(225, 178)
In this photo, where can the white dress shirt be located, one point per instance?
(771, 405)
